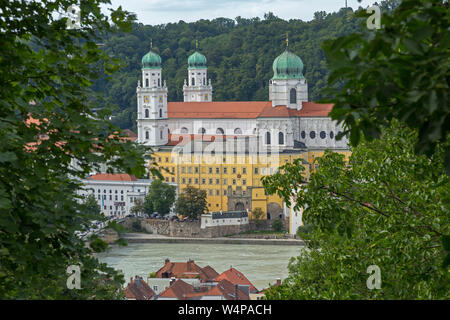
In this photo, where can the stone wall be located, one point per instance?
(192, 229)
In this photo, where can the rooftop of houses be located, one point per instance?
(138, 289)
(186, 270)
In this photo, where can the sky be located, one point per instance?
(155, 12)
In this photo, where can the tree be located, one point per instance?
(257, 215)
(160, 198)
(397, 72)
(138, 207)
(277, 225)
(90, 206)
(47, 127)
(386, 207)
(192, 202)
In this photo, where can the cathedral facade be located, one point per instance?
(219, 140)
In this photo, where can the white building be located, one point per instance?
(115, 193)
(231, 218)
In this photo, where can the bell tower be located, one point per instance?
(152, 102)
(197, 88)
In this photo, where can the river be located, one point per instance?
(261, 264)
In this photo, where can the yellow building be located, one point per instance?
(232, 182)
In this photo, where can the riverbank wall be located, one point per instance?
(148, 238)
(191, 229)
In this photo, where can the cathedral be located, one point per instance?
(288, 126)
(286, 119)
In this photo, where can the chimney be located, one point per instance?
(278, 282)
(190, 265)
(167, 261)
(172, 280)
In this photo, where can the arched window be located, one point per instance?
(280, 138)
(267, 137)
(193, 81)
(184, 130)
(159, 82)
(160, 113)
(147, 135)
(147, 83)
(147, 114)
(220, 131)
(161, 134)
(237, 131)
(293, 94)
(204, 81)
(202, 131)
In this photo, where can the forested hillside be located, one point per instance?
(240, 54)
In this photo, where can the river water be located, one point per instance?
(261, 264)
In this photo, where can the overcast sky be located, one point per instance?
(163, 11)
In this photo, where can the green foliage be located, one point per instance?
(397, 72)
(152, 275)
(277, 226)
(192, 202)
(119, 228)
(386, 207)
(46, 74)
(302, 230)
(97, 244)
(90, 206)
(160, 198)
(240, 54)
(136, 226)
(121, 242)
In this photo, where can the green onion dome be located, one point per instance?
(288, 66)
(196, 60)
(151, 61)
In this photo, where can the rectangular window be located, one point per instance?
(224, 192)
(225, 170)
(183, 170)
(234, 170)
(173, 179)
(210, 181)
(244, 170)
(196, 169)
(210, 170)
(110, 197)
(217, 192)
(224, 182)
(189, 180)
(203, 181)
(256, 170)
(244, 182)
(217, 181)
(210, 192)
(167, 159)
(234, 181)
(217, 170)
(190, 170)
(196, 180)
(184, 180)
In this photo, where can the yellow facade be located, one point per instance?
(222, 177)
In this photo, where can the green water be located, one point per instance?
(261, 264)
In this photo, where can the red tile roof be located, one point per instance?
(223, 288)
(138, 289)
(179, 289)
(243, 110)
(112, 177)
(236, 277)
(179, 270)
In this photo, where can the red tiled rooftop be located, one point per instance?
(112, 177)
(243, 110)
(236, 277)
